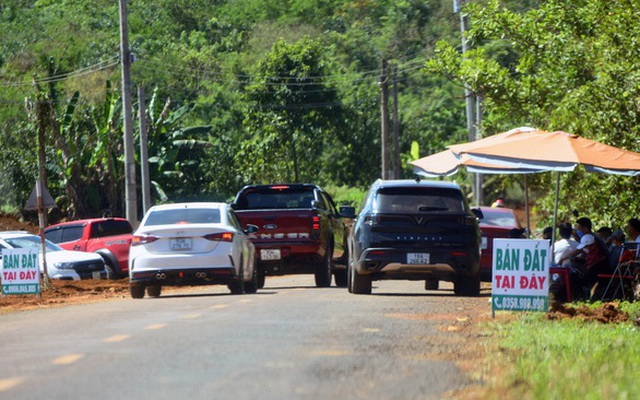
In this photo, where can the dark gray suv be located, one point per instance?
(415, 230)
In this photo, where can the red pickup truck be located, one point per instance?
(300, 231)
(109, 237)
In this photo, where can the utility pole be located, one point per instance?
(144, 156)
(469, 97)
(396, 126)
(129, 160)
(384, 108)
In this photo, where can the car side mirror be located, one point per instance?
(347, 211)
(232, 206)
(251, 228)
(315, 204)
(478, 213)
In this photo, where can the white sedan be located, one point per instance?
(191, 244)
(61, 263)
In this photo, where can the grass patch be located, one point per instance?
(569, 358)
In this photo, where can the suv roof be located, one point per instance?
(412, 182)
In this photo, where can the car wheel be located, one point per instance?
(341, 277)
(262, 276)
(467, 286)
(360, 284)
(252, 285)
(323, 270)
(111, 272)
(136, 290)
(154, 291)
(350, 274)
(237, 287)
(431, 284)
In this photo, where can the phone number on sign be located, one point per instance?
(519, 303)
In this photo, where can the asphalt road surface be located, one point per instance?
(288, 341)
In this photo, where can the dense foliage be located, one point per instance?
(560, 65)
(243, 91)
(253, 91)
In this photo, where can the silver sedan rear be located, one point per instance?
(191, 244)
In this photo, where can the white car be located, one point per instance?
(191, 244)
(61, 263)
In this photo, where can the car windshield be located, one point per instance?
(29, 242)
(497, 218)
(418, 199)
(272, 199)
(184, 216)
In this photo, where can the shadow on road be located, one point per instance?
(195, 295)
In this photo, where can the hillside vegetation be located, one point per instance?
(257, 91)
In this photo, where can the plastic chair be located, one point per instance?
(564, 272)
(623, 272)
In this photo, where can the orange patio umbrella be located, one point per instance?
(550, 151)
(526, 148)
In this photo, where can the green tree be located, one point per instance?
(295, 111)
(571, 67)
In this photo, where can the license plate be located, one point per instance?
(418, 258)
(270, 254)
(485, 243)
(180, 244)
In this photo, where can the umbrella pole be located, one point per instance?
(555, 212)
(526, 205)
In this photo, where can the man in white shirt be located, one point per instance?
(563, 247)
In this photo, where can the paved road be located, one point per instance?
(288, 341)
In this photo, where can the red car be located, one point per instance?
(496, 223)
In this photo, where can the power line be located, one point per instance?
(100, 66)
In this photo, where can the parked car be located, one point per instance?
(496, 222)
(108, 237)
(61, 263)
(191, 244)
(301, 231)
(415, 230)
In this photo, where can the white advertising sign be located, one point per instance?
(520, 275)
(20, 273)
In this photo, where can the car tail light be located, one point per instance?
(280, 187)
(459, 253)
(315, 226)
(143, 239)
(220, 237)
(377, 252)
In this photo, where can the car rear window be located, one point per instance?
(493, 218)
(184, 216)
(276, 199)
(110, 228)
(418, 200)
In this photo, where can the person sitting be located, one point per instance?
(616, 241)
(593, 251)
(547, 233)
(564, 245)
(633, 230)
(605, 233)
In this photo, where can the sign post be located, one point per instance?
(520, 275)
(20, 272)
